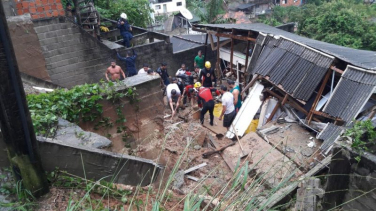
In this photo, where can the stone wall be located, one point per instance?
(350, 182)
(29, 55)
(72, 55)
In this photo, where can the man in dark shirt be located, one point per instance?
(162, 71)
(125, 29)
(207, 76)
(129, 63)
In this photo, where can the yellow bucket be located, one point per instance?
(217, 110)
(252, 127)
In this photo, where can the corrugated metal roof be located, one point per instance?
(201, 38)
(360, 58)
(329, 134)
(181, 45)
(298, 68)
(245, 6)
(351, 93)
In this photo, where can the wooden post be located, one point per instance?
(15, 120)
(246, 58)
(206, 46)
(285, 99)
(232, 52)
(250, 84)
(219, 72)
(310, 114)
(273, 112)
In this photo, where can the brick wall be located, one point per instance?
(29, 55)
(40, 8)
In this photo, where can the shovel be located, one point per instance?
(240, 144)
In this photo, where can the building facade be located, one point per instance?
(167, 6)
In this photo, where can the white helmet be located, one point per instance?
(123, 15)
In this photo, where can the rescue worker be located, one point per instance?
(162, 71)
(188, 81)
(207, 76)
(173, 96)
(125, 30)
(205, 98)
(235, 90)
(130, 63)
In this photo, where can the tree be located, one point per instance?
(342, 22)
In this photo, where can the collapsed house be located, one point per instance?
(329, 86)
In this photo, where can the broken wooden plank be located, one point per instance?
(207, 154)
(195, 168)
(193, 178)
(167, 116)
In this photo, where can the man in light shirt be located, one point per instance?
(228, 108)
(144, 69)
(181, 71)
(173, 96)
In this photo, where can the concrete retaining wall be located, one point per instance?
(97, 164)
(26, 46)
(142, 117)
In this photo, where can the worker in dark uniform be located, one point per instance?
(207, 75)
(162, 71)
(130, 63)
(205, 98)
(188, 81)
(125, 30)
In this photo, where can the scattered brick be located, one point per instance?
(47, 7)
(53, 7)
(19, 5)
(59, 6)
(61, 13)
(33, 10)
(40, 9)
(19, 12)
(25, 4)
(26, 11)
(31, 4)
(51, 1)
(58, 1)
(55, 13)
(42, 15)
(44, 2)
(38, 2)
(34, 16)
(48, 14)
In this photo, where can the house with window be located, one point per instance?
(287, 3)
(167, 6)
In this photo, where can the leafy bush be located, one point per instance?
(364, 137)
(78, 103)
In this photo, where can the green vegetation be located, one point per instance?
(209, 12)
(342, 22)
(363, 137)
(81, 103)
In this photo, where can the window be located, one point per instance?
(283, 2)
(178, 4)
(157, 7)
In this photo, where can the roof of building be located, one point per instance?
(245, 6)
(361, 58)
(187, 41)
(179, 44)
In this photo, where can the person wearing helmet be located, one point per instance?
(205, 98)
(207, 75)
(173, 96)
(125, 29)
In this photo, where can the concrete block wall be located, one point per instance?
(153, 54)
(72, 55)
